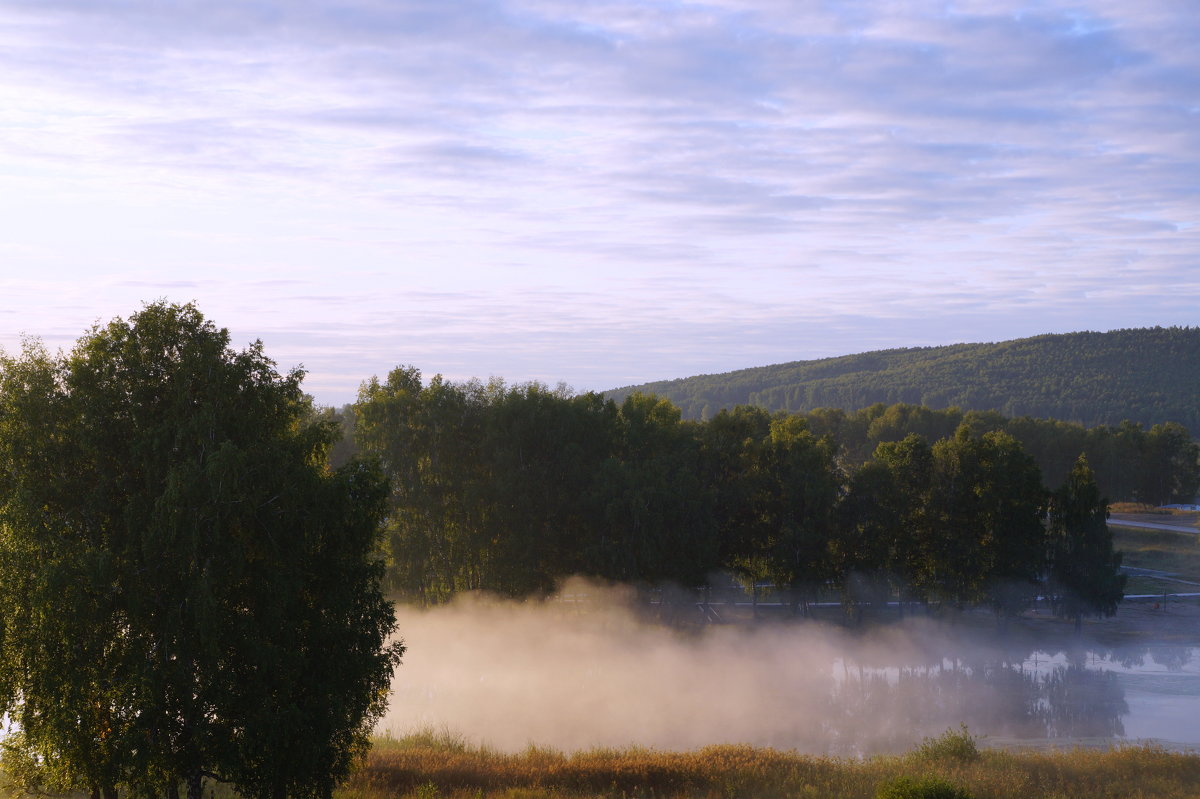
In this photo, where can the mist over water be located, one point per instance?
(576, 675)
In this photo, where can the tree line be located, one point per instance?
(508, 488)
(1148, 375)
(1157, 466)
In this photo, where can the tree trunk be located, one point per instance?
(195, 786)
(109, 792)
(173, 789)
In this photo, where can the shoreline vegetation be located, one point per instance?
(955, 765)
(430, 765)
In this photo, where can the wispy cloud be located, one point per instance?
(601, 192)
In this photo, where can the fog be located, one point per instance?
(582, 671)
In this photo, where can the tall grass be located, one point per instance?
(1163, 550)
(437, 766)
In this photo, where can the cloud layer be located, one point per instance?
(600, 192)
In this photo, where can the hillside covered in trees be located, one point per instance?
(1148, 375)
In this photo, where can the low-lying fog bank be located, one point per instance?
(583, 674)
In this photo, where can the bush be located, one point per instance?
(923, 788)
(953, 745)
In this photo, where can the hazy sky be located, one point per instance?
(600, 192)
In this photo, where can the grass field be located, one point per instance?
(1176, 556)
(431, 766)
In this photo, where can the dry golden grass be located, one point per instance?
(426, 767)
(1137, 507)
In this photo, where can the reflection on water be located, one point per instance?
(1069, 696)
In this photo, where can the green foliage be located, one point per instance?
(921, 788)
(653, 520)
(1149, 375)
(511, 488)
(736, 480)
(1156, 465)
(952, 746)
(985, 511)
(802, 486)
(1085, 571)
(186, 590)
(443, 740)
(1101, 380)
(1159, 465)
(427, 790)
(24, 772)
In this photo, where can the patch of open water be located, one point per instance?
(1088, 696)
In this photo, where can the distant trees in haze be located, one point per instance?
(508, 488)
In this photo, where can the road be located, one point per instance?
(1183, 526)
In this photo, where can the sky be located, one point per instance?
(598, 192)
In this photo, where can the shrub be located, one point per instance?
(923, 788)
(952, 745)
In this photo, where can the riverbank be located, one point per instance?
(429, 766)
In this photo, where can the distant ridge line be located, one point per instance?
(1146, 375)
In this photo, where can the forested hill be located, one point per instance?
(1147, 375)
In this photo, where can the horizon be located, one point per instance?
(602, 195)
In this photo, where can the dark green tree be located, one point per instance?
(1085, 572)
(543, 449)
(903, 505)
(985, 514)
(655, 520)
(429, 441)
(205, 601)
(801, 494)
(735, 475)
(60, 622)
(1170, 469)
(872, 527)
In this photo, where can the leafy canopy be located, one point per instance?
(186, 590)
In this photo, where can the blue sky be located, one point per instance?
(599, 192)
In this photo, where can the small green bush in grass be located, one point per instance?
(952, 745)
(427, 790)
(922, 788)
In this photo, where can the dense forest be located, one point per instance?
(508, 488)
(1147, 375)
